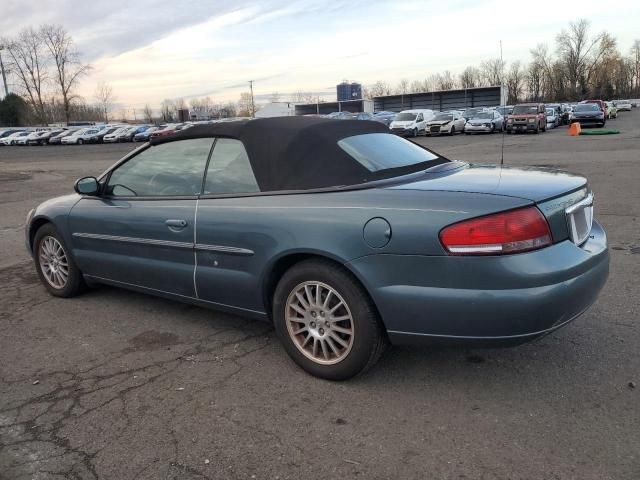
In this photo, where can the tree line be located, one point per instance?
(579, 65)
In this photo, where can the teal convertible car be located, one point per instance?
(342, 234)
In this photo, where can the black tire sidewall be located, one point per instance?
(367, 330)
(75, 282)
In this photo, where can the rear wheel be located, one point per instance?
(56, 269)
(80, 141)
(326, 321)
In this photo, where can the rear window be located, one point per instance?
(586, 107)
(383, 151)
(406, 117)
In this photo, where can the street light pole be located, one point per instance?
(4, 77)
(253, 107)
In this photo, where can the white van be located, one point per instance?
(411, 122)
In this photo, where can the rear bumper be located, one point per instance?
(499, 299)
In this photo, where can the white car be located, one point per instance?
(411, 122)
(487, 121)
(448, 123)
(86, 135)
(13, 138)
(552, 118)
(31, 137)
(113, 136)
(623, 105)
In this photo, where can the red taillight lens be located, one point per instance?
(507, 232)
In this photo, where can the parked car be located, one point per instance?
(128, 134)
(23, 140)
(144, 135)
(505, 111)
(167, 130)
(527, 117)
(484, 122)
(553, 118)
(601, 104)
(447, 123)
(105, 131)
(385, 117)
(411, 122)
(57, 139)
(42, 138)
(339, 115)
(623, 105)
(84, 135)
(9, 131)
(371, 238)
(470, 112)
(612, 110)
(113, 136)
(13, 137)
(589, 114)
(362, 116)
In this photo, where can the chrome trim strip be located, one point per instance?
(224, 249)
(585, 202)
(167, 243)
(143, 241)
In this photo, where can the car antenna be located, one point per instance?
(504, 119)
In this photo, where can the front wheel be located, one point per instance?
(326, 321)
(452, 132)
(80, 141)
(415, 132)
(56, 269)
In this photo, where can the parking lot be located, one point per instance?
(119, 385)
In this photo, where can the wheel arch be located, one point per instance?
(278, 267)
(34, 226)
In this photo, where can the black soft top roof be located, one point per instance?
(294, 153)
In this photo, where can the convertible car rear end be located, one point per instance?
(342, 234)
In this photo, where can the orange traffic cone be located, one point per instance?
(574, 129)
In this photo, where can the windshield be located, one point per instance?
(586, 107)
(444, 116)
(525, 109)
(483, 115)
(383, 151)
(550, 112)
(405, 117)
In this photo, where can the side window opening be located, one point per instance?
(169, 169)
(229, 169)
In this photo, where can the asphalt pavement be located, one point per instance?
(119, 385)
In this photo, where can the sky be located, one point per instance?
(150, 50)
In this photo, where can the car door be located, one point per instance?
(459, 122)
(140, 231)
(230, 238)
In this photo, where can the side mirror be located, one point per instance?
(87, 186)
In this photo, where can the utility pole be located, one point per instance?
(4, 77)
(253, 107)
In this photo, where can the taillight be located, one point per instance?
(515, 231)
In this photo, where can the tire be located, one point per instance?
(46, 238)
(357, 351)
(80, 141)
(452, 132)
(415, 132)
(544, 127)
(537, 130)
(493, 128)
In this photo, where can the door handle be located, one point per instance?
(175, 224)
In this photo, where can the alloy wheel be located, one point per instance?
(319, 322)
(53, 262)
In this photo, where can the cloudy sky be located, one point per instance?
(149, 50)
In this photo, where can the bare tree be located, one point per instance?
(470, 78)
(244, 105)
(167, 109)
(634, 61)
(418, 86)
(301, 96)
(27, 54)
(491, 71)
(68, 67)
(446, 81)
(148, 113)
(380, 89)
(515, 82)
(105, 97)
(403, 87)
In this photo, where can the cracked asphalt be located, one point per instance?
(119, 385)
